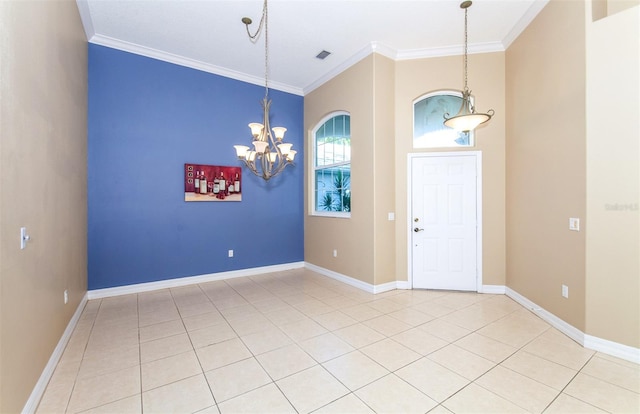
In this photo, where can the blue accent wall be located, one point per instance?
(147, 118)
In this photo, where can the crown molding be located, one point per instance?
(524, 21)
(384, 50)
(411, 54)
(355, 58)
(396, 55)
(190, 63)
(85, 18)
(373, 47)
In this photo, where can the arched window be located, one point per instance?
(332, 166)
(429, 130)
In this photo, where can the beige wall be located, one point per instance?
(613, 177)
(365, 242)
(384, 170)
(379, 94)
(415, 78)
(353, 238)
(43, 155)
(546, 182)
(604, 8)
(550, 153)
(616, 6)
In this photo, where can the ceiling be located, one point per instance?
(209, 35)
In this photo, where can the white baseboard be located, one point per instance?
(403, 284)
(40, 387)
(189, 280)
(567, 329)
(615, 349)
(367, 287)
(493, 289)
(385, 287)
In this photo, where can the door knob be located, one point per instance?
(417, 230)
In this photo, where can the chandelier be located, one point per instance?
(467, 119)
(270, 154)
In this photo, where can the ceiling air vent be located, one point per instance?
(322, 55)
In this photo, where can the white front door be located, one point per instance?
(444, 221)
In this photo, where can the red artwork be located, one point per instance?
(212, 183)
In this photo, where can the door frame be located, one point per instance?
(478, 157)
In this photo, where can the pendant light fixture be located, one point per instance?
(269, 155)
(467, 119)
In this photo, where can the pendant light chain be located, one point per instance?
(467, 118)
(466, 49)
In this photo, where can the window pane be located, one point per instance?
(338, 125)
(332, 170)
(333, 141)
(333, 189)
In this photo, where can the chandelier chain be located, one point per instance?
(265, 15)
(264, 22)
(270, 154)
(254, 36)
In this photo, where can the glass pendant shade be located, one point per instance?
(256, 129)
(261, 146)
(285, 148)
(467, 119)
(241, 150)
(466, 123)
(279, 132)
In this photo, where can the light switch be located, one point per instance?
(392, 216)
(574, 224)
(24, 238)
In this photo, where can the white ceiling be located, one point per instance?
(209, 34)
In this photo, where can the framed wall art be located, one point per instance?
(212, 183)
(428, 117)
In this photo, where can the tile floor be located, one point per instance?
(299, 342)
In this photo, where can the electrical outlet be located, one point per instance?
(565, 291)
(230, 253)
(335, 253)
(66, 296)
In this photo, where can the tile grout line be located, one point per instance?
(303, 291)
(568, 383)
(193, 348)
(139, 353)
(84, 350)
